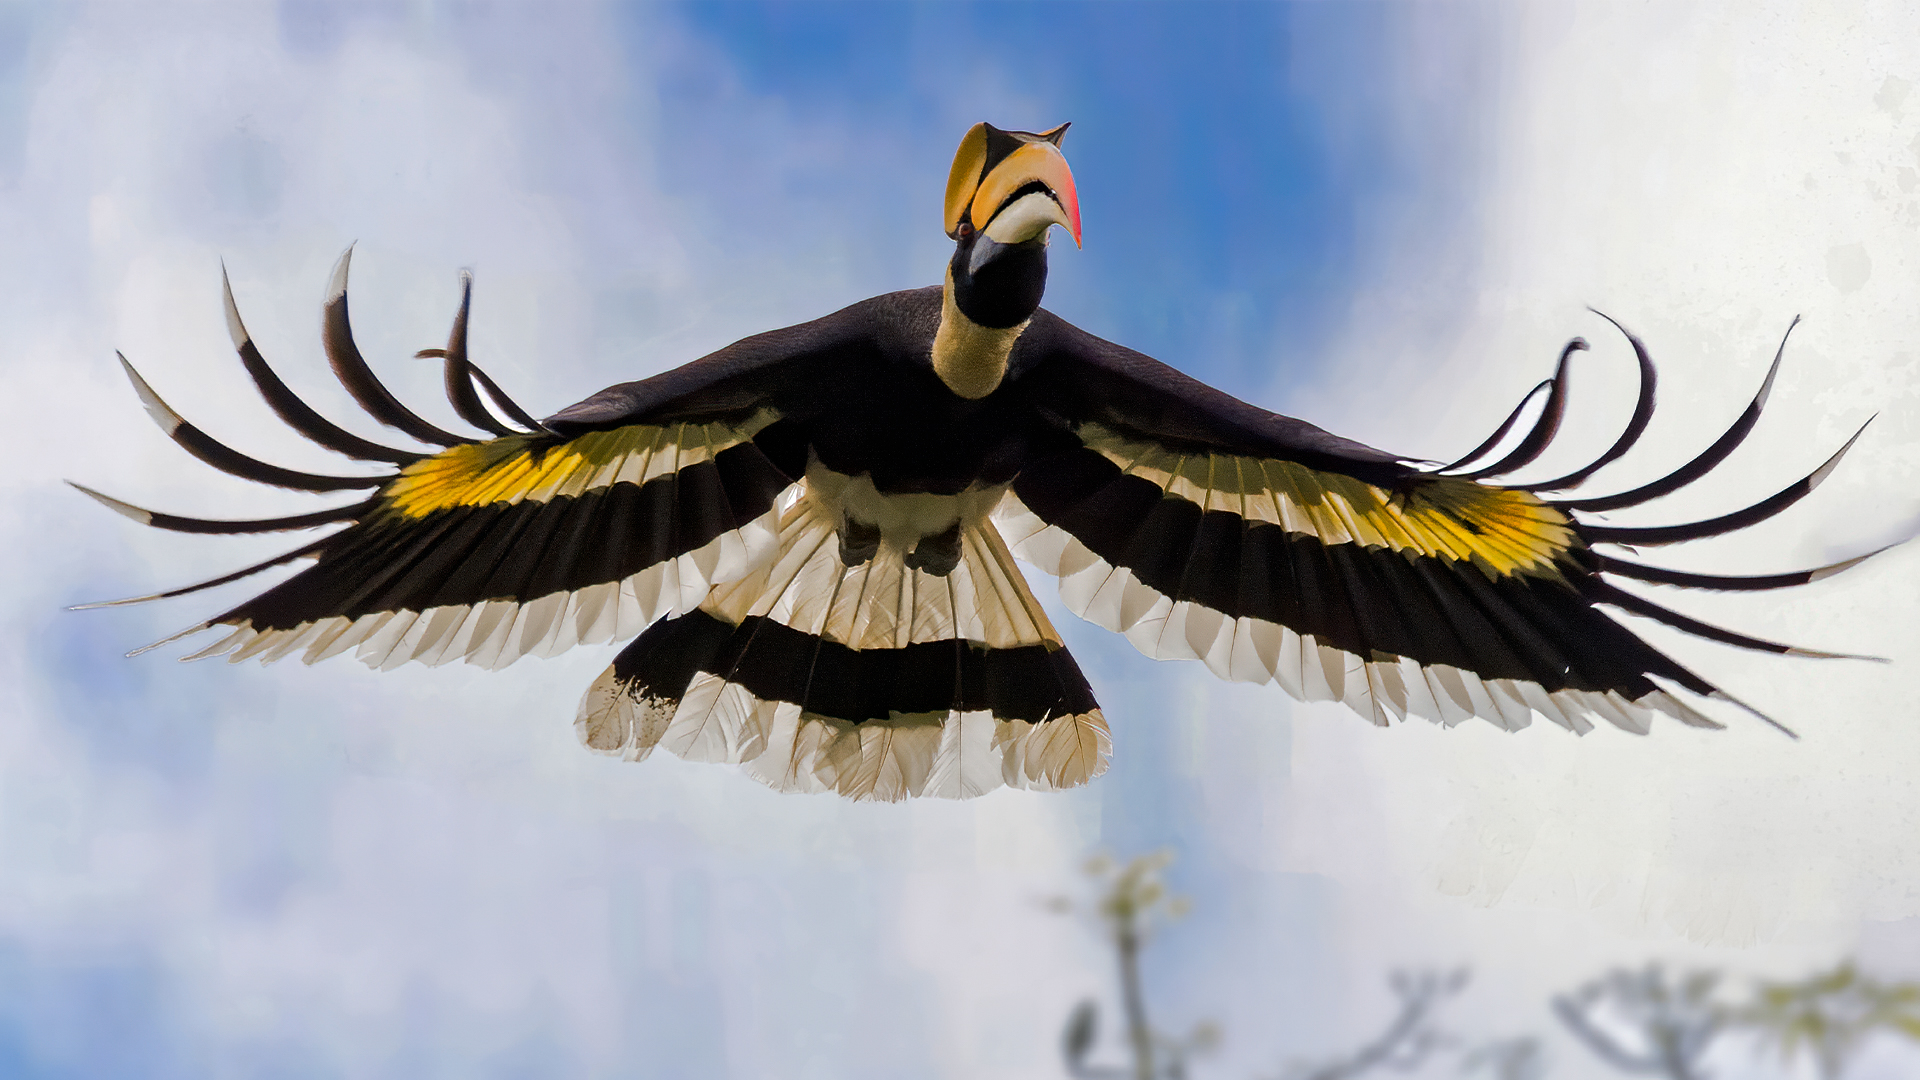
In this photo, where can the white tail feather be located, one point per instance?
(881, 603)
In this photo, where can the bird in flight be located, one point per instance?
(812, 532)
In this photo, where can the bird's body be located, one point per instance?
(812, 533)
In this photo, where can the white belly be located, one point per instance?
(903, 520)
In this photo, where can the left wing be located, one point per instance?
(1205, 528)
(581, 528)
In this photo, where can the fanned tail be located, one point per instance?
(874, 681)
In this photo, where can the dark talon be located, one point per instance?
(859, 541)
(937, 554)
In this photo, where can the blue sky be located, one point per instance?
(1383, 218)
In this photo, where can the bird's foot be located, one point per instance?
(937, 554)
(859, 541)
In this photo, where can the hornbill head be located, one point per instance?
(1006, 190)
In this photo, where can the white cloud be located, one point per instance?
(421, 867)
(381, 874)
(1702, 173)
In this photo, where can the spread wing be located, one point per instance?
(1204, 528)
(580, 528)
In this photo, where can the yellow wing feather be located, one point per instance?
(1503, 531)
(528, 468)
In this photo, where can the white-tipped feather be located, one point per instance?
(378, 644)
(447, 637)
(594, 617)
(880, 603)
(411, 642)
(532, 621)
(1421, 699)
(1668, 703)
(161, 413)
(290, 643)
(258, 644)
(326, 633)
(126, 509)
(1254, 650)
(718, 721)
(1543, 703)
(235, 328)
(884, 762)
(495, 633)
(1321, 670)
(1060, 752)
(1389, 689)
(954, 755)
(232, 641)
(1515, 714)
(612, 721)
(794, 742)
(337, 285)
(965, 765)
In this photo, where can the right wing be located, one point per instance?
(1202, 527)
(581, 528)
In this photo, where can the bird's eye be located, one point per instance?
(965, 230)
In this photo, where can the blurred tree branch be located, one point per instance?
(1409, 1039)
(1132, 904)
(1642, 1021)
(1668, 1026)
(1507, 1059)
(1831, 1015)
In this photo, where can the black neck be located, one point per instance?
(1005, 290)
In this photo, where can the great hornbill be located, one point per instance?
(812, 532)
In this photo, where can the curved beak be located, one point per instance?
(991, 171)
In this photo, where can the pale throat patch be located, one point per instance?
(971, 359)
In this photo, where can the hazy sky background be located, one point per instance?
(1384, 219)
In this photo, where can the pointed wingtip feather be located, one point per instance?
(337, 286)
(125, 601)
(144, 517)
(301, 552)
(236, 329)
(168, 420)
(1821, 654)
(1722, 695)
(169, 639)
(1832, 463)
(1766, 387)
(1661, 575)
(1702, 464)
(1831, 569)
(1725, 523)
